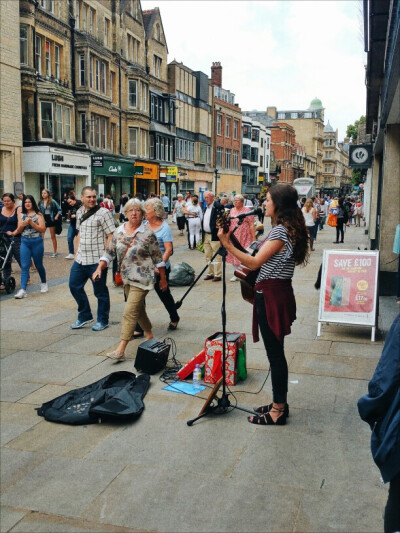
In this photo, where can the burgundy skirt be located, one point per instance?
(280, 307)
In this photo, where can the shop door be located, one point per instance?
(54, 187)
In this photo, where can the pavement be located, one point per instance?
(157, 474)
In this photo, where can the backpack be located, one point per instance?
(116, 397)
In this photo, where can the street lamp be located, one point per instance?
(216, 181)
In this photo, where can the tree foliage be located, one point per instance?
(352, 129)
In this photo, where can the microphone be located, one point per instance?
(257, 212)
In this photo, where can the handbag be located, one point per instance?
(58, 225)
(332, 220)
(117, 276)
(118, 279)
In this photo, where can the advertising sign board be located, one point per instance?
(349, 288)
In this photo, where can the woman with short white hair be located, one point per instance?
(139, 256)
(178, 211)
(154, 210)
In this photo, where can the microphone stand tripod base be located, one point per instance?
(223, 404)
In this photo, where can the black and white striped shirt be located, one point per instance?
(280, 265)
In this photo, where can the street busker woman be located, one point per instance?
(138, 253)
(274, 308)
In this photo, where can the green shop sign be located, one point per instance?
(103, 166)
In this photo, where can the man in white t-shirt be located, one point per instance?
(210, 236)
(247, 202)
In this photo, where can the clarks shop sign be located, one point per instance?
(111, 167)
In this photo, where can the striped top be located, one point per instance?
(280, 265)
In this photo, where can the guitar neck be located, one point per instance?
(237, 244)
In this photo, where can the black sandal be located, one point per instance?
(267, 420)
(173, 327)
(264, 409)
(137, 336)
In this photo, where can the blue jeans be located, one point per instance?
(32, 249)
(78, 277)
(72, 233)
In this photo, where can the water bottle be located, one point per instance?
(196, 377)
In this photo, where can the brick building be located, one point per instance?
(227, 133)
(10, 102)
(282, 144)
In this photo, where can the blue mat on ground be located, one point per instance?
(181, 387)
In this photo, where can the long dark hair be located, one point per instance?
(289, 214)
(34, 204)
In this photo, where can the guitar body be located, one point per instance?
(247, 279)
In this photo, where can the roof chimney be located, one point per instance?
(216, 74)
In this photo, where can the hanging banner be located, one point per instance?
(349, 287)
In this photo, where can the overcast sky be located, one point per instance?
(275, 53)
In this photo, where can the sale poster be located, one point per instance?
(349, 287)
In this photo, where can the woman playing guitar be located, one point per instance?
(274, 307)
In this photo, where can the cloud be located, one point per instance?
(274, 53)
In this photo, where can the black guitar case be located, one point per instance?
(117, 397)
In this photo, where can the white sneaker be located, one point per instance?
(44, 287)
(69, 256)
(54, 255)
(234, 278)
(21, 294)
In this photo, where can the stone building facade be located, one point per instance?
(11, 174)
(193, 104)
(335, 161)
(256, 143)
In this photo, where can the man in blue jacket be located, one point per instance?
(381, 409)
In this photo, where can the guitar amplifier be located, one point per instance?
(152, 356)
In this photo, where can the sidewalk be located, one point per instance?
(157, 474)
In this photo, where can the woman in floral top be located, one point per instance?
(138, 253)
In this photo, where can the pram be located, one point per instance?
(5, 251)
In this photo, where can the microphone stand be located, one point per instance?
(223, 403)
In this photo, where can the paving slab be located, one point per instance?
(22, 340)
(61, 485)
(13, 391)
(44, 523)
(45, 393)
(45, 367)
(62, 440)
(319, 510)
(15, 465)
(9, 517)
(130, 501)
(350, 367)
(372, 350)
(82, 344)
(310, 458)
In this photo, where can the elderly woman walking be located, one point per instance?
(138, 254)
(154, 209)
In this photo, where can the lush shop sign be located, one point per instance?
(111, 167)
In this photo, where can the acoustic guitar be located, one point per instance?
(246, 275)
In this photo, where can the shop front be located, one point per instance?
(112, 175)
(169, 182)
(146, 178)
(199, 180)
(60, 171)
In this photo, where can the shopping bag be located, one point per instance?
(332, 220)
